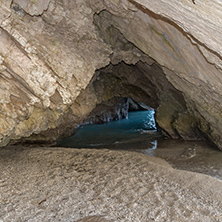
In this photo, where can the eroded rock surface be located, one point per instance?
(51, 52)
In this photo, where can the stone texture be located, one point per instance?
(44, 66)
(50, 51)
(183, 62)
(33, 7)
(141, 82)
(113, 109)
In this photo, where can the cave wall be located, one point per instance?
(144, 83)
(47, 56)
(50, 51)
(184, 62)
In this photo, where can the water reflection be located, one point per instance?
(151, 151)
(195, 156)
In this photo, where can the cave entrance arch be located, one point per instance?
(133, 74)
(130, 74)
(144, 83)
(105, 98)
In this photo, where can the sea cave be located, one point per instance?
(69, 64)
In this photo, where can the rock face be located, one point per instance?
(110, 110)
(60, 59)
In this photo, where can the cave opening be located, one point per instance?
(139, 91)
(132, 74)
(141, 82)
(127, 71)
(122, 89)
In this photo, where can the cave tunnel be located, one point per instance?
(130, 74)
(91, 65)
(118, 89)
(133, 74)
(107, 62)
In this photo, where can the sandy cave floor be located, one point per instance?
(61, 184)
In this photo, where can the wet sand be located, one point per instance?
(61, 184)
(195, 156)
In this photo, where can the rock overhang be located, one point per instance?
(50, 58)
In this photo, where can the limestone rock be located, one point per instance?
(134, 106)
(33, 7)
(56, 55)
(113, 109)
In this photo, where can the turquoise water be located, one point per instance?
(138, 127)
(138, 133)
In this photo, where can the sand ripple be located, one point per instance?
(58, 184)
